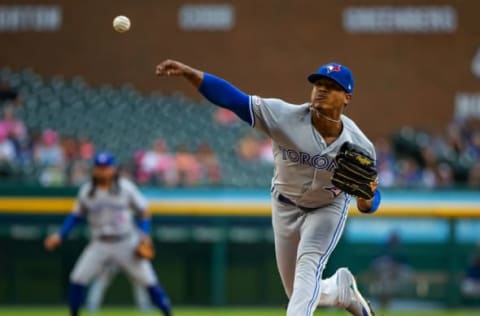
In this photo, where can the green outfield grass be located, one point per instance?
(41, 311)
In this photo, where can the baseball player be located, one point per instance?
(108, 203)
(312, 147)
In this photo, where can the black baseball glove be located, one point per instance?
(355, 173)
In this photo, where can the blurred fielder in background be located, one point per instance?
(321, 159)
(470, 284)
(391, 271)
(108, 203)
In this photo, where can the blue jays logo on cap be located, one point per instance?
(331, 68)
(104, 159)
(338, 73)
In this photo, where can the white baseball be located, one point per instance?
(121, 23)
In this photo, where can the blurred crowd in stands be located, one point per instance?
(409, 159)
(418, 159)
(159, 166)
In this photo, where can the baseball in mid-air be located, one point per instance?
(121, 24)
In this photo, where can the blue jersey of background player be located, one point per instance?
(109, 204)
(308, 212)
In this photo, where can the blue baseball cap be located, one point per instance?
(338, 73)
(104, 159)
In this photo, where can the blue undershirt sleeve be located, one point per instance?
(377, 198)
(222, 93)
(69, 223)
(145, 225)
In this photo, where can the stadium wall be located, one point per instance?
(226, 256)
(398, 72)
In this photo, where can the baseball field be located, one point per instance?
(41, 311)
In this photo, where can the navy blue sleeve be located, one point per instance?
(70, 222)
(222, 93)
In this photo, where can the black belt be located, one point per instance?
(112, 238)
(284, 199)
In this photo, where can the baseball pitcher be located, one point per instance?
(321, 159)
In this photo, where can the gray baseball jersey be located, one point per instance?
(110, 213)
(303, 162)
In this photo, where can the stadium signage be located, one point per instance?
(38, 18)
(400, 19)
(206, 17)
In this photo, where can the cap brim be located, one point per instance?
(312, 78)
(104, 165)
